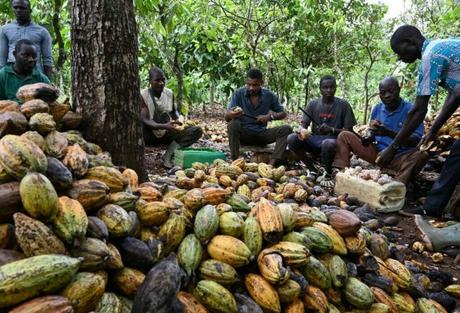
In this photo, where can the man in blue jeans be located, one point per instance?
(439, 66)
(329, 115)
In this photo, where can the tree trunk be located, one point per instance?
(105, 78)
(366, 91)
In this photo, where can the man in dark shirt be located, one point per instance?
(329, 116)
(249, 111)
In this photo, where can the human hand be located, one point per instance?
(263, 119)
(427, 142)
(367, 140)
(385, 156)
(380, 130)
(170, 126)
(235, 112)
(325, 129)
(303, 133)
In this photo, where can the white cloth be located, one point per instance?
(165, 103)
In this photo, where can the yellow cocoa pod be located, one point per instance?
(270, 220)
(172, 232)
(110, 176)
(76, 160)
(71, 221)
(262, 293)
(381, 296)
(153, 213)
(315, 300)
(132, 178)
(191, 304)
(338, 244)
(294, 254)
(271, 267)
(295, 306)
(128, 280)
(85, 290)
(229, 250)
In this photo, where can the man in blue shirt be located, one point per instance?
(387, 119)
(439, 66)
(249, 111)
(24, 28)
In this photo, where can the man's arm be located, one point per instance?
(450, 106)
(150, 123)
(47, 54)
(410, 141)
(230, 114)
(413, 120)
(3, 48)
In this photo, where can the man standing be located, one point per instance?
(160, 118)
(21, 72)
(439, 66)
(330, 116)
(24, 28)
(387, 119)
(249, 111)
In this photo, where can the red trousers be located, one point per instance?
(405, 166)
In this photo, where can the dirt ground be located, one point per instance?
(405, 233)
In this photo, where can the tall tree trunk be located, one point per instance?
(179, 73)
(105, 78)
(366, 91)
(57, 32)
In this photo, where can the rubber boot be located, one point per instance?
(169, 154)
(436, 239)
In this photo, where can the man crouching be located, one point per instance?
(161, 119)
(249, 111)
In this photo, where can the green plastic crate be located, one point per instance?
(186, 156)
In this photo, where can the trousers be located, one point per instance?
(444, 187)
(237, 135)
(315, 144)
(405, 165)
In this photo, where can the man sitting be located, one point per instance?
(248, 114)
(160, 118)
(387, 119)
(330, 116)
(21, 72)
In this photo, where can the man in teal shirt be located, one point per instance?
(22, 72)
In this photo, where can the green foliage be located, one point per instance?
(209, 45)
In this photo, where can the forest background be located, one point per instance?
(206, 46)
